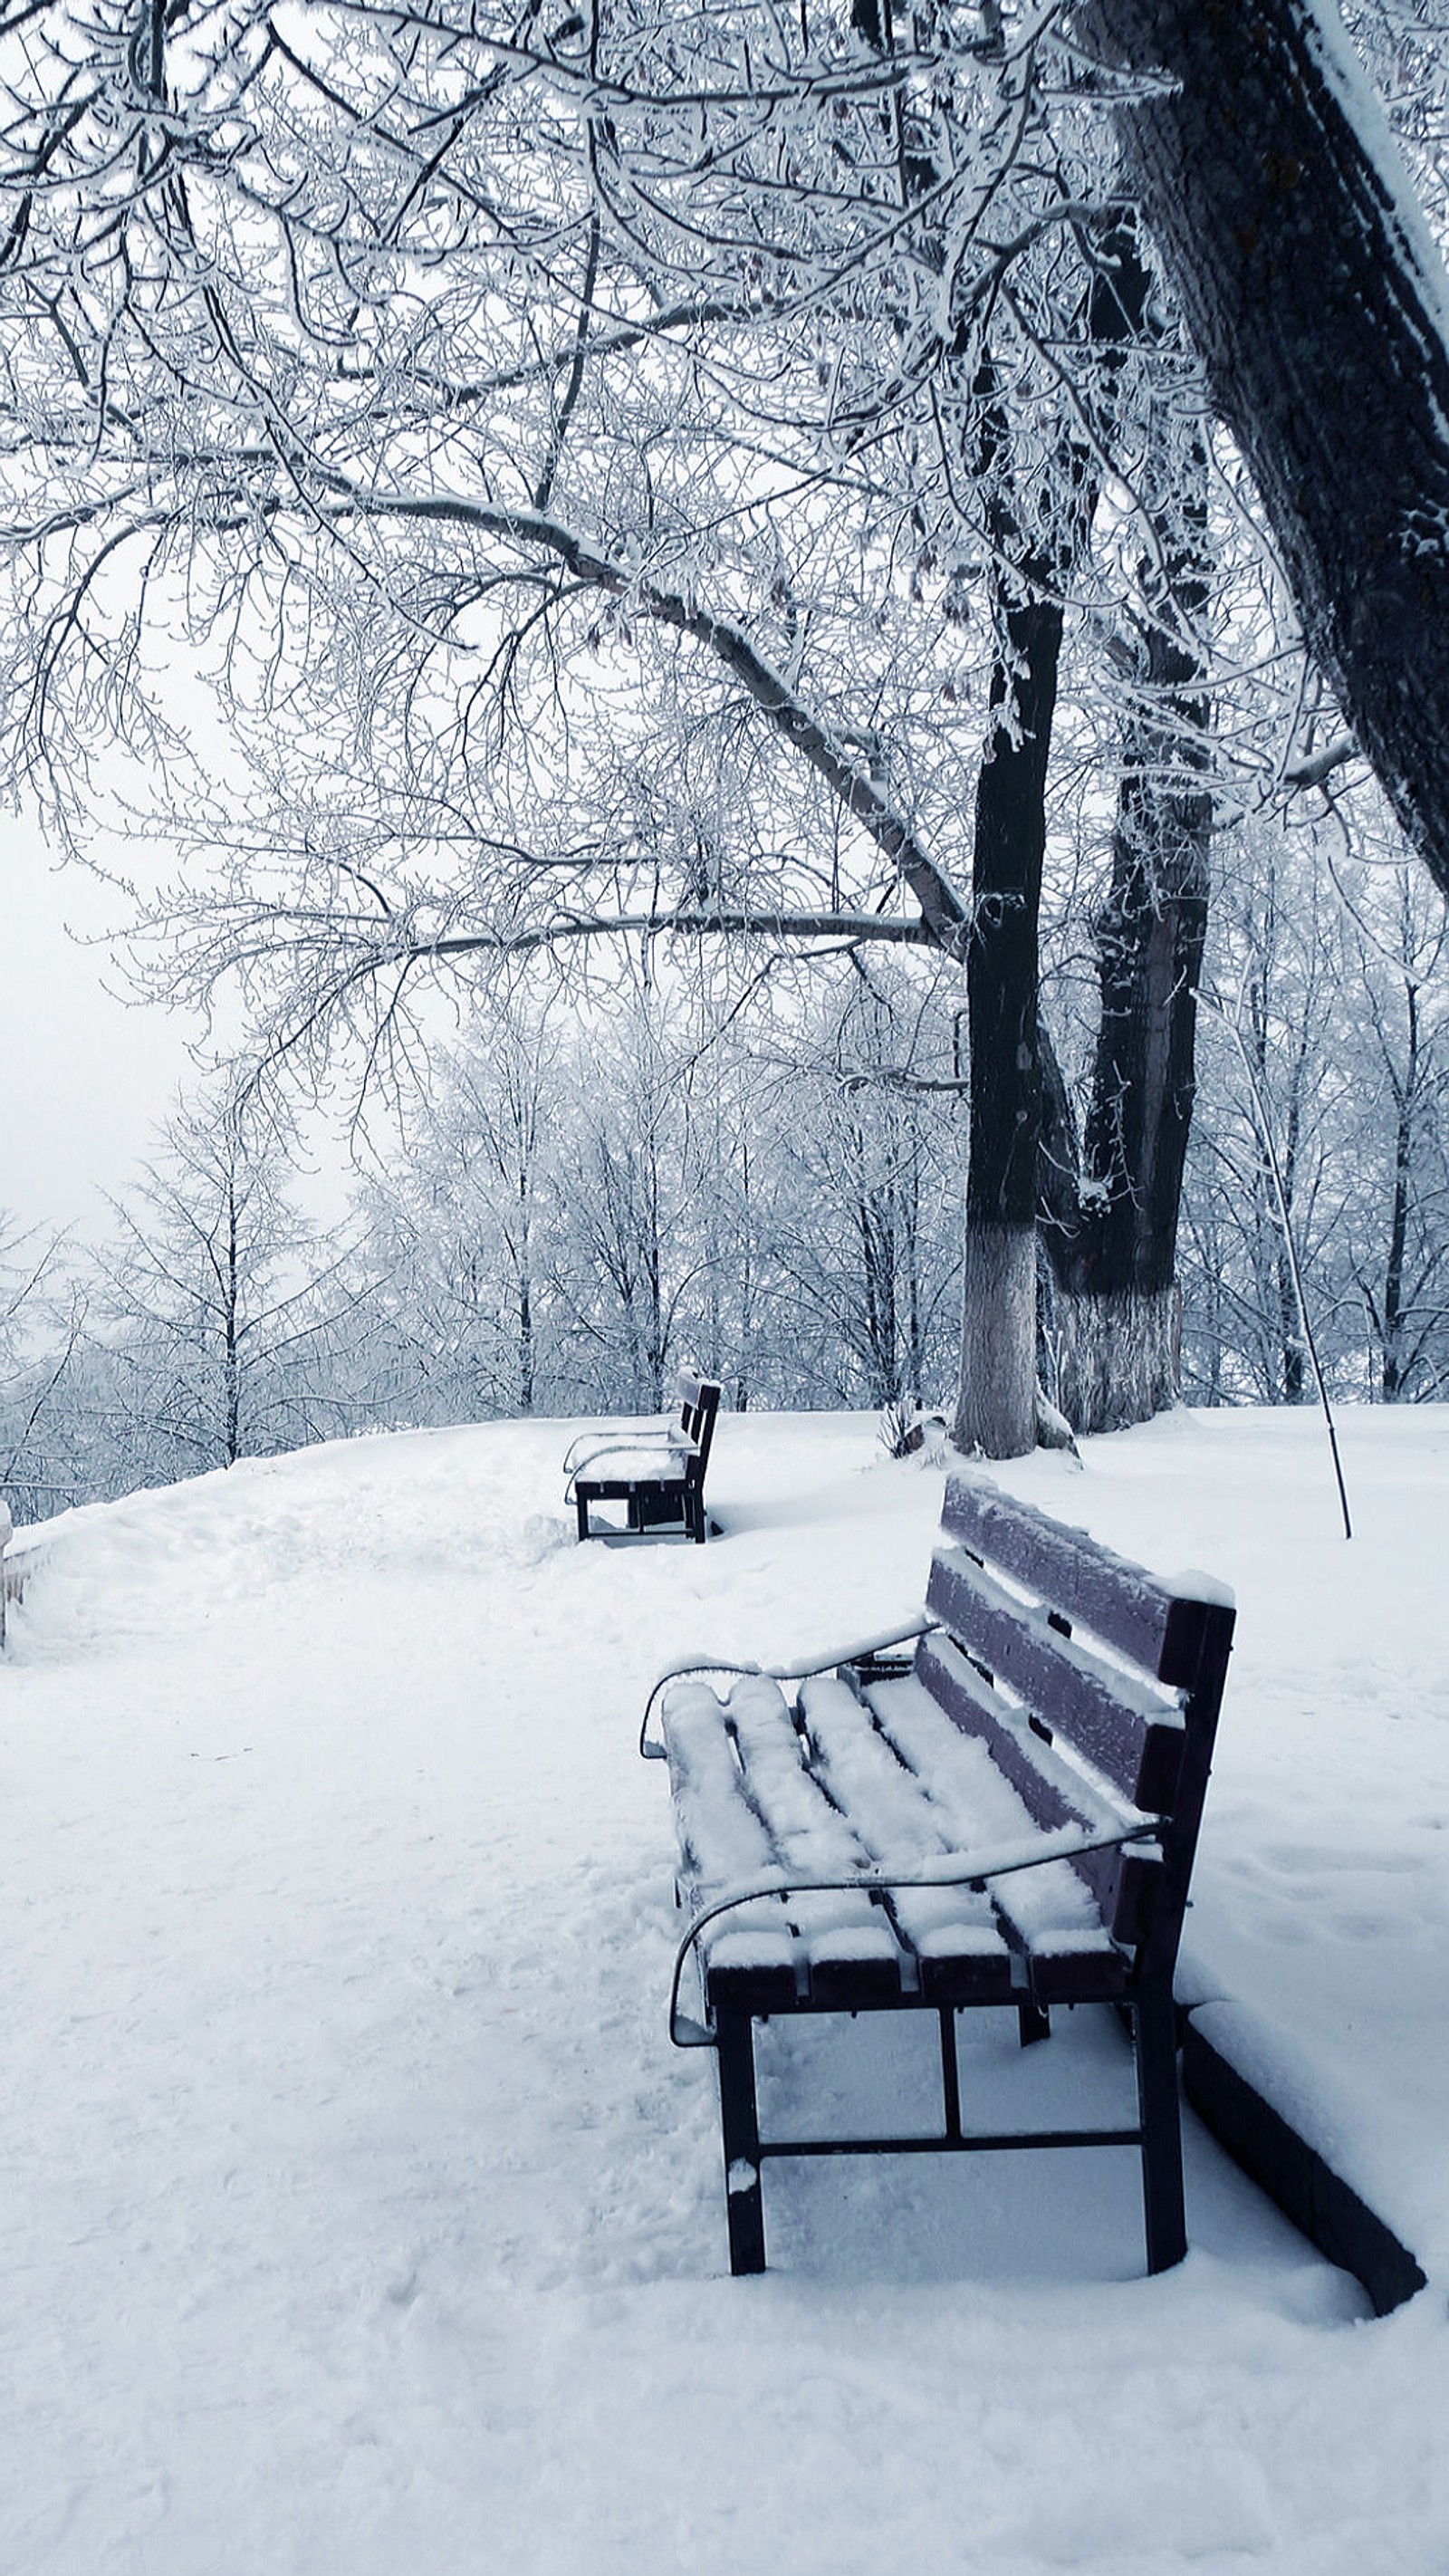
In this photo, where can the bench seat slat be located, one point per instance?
(724, 1841)
(953, 1931)
(1128, 1731)
(752, 1959)
(843, 1949)
(1049, 1912)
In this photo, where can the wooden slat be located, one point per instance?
(724, 1841)
(1123, 1882)
(953, 1932)
(737, 1824)
(1047, 1912)
(702, 1418)
(753, 1960)
(1095, 1973)
(1114, 1722)
(1122, 1603)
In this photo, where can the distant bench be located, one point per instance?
(1006, 1816)
(656, 1470)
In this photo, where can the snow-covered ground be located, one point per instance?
(357, 2219)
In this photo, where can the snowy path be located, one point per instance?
(357, 2219)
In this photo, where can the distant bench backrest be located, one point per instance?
(698, 1405)
(1011, 1589)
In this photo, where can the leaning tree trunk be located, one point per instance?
(1315, 296)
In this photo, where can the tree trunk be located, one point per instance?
(996, 1405)
(1392, 1363)
(1112, 1242)
(1314, 293)
(1115, 1353)
(996, 1413)
(1007, 1092)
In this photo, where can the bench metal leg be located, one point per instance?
(950, 2072)
(1166, 2222)
(1034, 2022)
(582, 1509)
(739, 2121)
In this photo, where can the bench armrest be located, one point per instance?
(699, 1667)
(966, 1869)
(621, 1435)
(672, 1449)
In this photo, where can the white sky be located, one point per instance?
(87, 1077)
(84, 1077)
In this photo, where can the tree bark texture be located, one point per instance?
(1316, 300)
(1115, 1355)
(996, 1411)
(997, 1396)
(1031, 580)
(1109, 1222)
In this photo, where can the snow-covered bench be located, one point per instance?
(655, 1469)
(1006, 1815)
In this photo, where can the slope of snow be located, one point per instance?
(1321, 1895)
(357, 2218)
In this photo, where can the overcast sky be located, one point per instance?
(84, 1078)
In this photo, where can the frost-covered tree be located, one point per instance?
(41, 1319)
(868, 1141)
(460, 1323)
(482, 362)
(1327, 1053)
(217, 1307)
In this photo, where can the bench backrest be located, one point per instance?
(698, 1405)
(1082, 1673)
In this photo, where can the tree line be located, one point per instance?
(572, 1205)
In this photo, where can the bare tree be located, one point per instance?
(213, 1307)
(42, 1314)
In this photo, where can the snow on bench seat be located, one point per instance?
(933, 1791)
(781, 1827)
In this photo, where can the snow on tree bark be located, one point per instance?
(1318, 303)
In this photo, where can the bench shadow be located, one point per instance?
(1064, 2217)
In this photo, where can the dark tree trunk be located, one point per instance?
(996, 1410)
(1315, 307)
(1111, 1234)
(1392, 1367)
